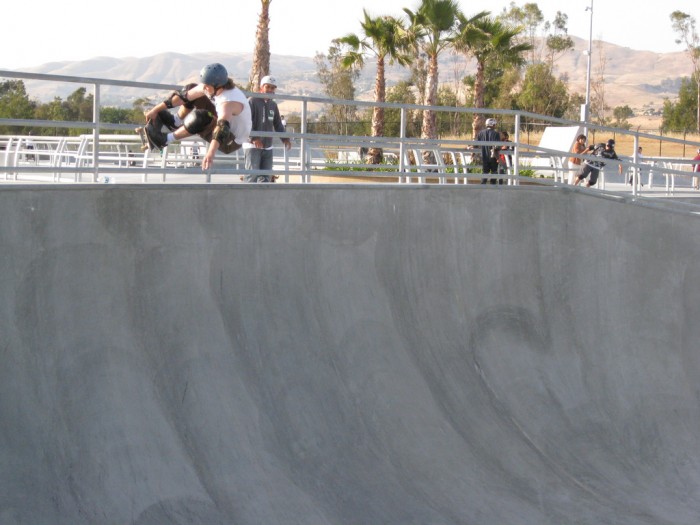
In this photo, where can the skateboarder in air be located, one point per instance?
(225, 122)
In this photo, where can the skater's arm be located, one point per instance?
(208, 160)
(176, 99)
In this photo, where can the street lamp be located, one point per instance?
(586, 109)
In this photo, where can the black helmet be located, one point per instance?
(214, 75)
(611, 143)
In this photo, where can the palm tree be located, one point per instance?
(383, 37)
(488, 40)
(432, 29)
(684, 27)
(261, 55)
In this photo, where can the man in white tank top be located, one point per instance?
(227, 130)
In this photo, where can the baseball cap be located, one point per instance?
(268, 79)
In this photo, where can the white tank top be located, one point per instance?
(240, 124)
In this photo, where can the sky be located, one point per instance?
(45, 31)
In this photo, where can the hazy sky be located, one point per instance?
(42, 31)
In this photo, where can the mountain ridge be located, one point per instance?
(632, 77)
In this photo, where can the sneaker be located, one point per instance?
(156, 138)
(168, 119)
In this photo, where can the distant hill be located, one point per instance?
(166, 68)
(636, 78)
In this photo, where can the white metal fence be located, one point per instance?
(112, 152)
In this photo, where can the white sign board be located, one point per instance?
(559, 138)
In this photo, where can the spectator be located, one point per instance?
(265, 117)
(592, 167)
(641, 170)
(504, 155)
(489, 152)
(227, 129)
(696, 169)
(575, 162)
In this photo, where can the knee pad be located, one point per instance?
(197, 121)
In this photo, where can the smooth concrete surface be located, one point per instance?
(272, 354)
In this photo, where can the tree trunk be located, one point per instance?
(697, 115)
(261, 55)
(479, 89)
(375, 155)
(428, 130)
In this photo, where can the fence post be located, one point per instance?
(636, 171)
(96, 133)
(516, 153)
(303, 161)
(402, 146)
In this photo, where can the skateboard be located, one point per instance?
(144, 138)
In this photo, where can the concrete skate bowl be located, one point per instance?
(279, 354)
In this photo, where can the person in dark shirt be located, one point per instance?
(266, 117)
(489, 152)
(591, 168)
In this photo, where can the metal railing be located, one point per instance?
(103, 156)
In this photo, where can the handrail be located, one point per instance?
(310, 144)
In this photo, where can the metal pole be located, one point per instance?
(587, 106)
(303, 161)
(636, 171)
(516, 156)
(402, 145)
(96, 117)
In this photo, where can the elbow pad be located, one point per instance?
(169, 101)
(183, 95)
(222, 132)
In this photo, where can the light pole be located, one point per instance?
(585, 114)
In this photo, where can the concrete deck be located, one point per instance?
(279, 354)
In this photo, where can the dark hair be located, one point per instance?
(581, 136)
